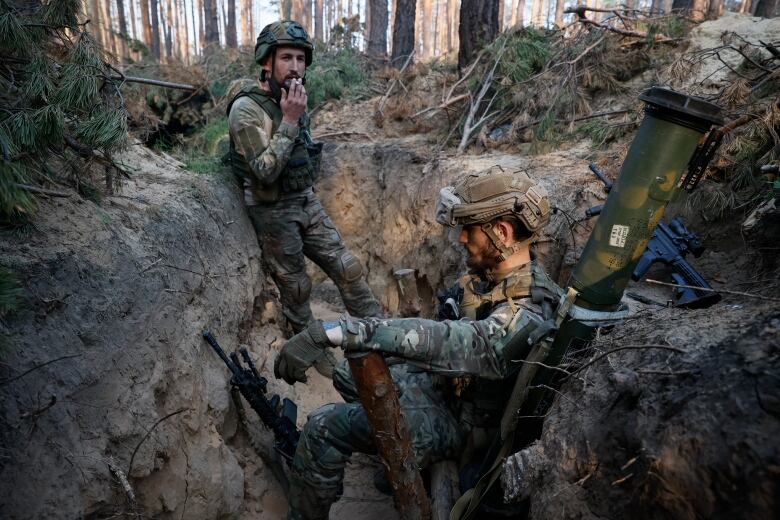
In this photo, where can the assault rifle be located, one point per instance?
(253, 387)
(669, 245)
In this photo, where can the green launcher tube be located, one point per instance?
(672, 128)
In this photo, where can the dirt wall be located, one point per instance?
(681, 425)
(382, 198)
(103, 364)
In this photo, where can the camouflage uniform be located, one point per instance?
(500, 313)
(271, 158)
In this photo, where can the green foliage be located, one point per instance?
(206, 148)
(104, 129)
(9, 292)
(14, 202)
(525, 54)
(61, 13)
(44, 97)
(335, 75)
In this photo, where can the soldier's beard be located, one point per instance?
(484, 258)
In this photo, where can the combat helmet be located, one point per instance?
(286, 33)
(485, 196)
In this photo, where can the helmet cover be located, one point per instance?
(485, 196)
(286, 33)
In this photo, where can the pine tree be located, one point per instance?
(57, 101)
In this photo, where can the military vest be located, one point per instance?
(481, 401)
(301, 169)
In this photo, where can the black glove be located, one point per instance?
(301, 352)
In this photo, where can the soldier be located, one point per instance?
(271, 151)
(502, 300)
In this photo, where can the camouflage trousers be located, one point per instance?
(298, 227)
(333, 432)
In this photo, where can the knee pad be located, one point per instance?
(351, 268)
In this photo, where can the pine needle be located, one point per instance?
(78, 88)
(38, 79)
(13, 35)
(61, 13)
(15, 204)
(103, 129)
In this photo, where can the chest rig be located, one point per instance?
(480, 401)
(301, 169)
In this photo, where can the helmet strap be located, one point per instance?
(505, 250)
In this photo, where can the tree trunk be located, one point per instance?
(454, 22)
(211, 22)
(766, 8)
(427, 27)
(657, 7)
(559, 14)
(520, 13)
(537, 13)
(167, 32)
(478, 27)
(108, 28)
(185, 33)
(120, 13)
(377, 37)
(146, 24)
(403, 31)
(319, 30)
(133, 26)
(155, 24)
(696, 8)
(231, 38)
(715, 9)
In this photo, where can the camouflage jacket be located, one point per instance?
(487, 348)
(265, 151)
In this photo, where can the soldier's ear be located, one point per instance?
(504, 230)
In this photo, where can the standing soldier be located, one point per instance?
(272, 152)
(458, 373)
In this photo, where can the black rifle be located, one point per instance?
(669, 245)
(253, 387)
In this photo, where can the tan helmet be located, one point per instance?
(485, 196)
(283, 34)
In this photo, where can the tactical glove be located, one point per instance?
(301, 352)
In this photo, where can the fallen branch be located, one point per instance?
(42, 191)
(337, 134)
(148, 433)
(628, 347)
(442, 106)
(155, 82)
(122, 478)
(83, 150)
(583, 118)
(36, 367)
(39, 411)
(580, 12)
(468, 126)
(384, 99)
(725, 291)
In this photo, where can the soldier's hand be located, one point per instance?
(301, 352)
(293, 102)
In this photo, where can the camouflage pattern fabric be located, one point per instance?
(433, 354)
(265, 151)
(296, 227)
(334, 431)
(291, 225)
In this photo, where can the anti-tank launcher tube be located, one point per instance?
(673, 126)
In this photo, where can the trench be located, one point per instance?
(116, 297)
